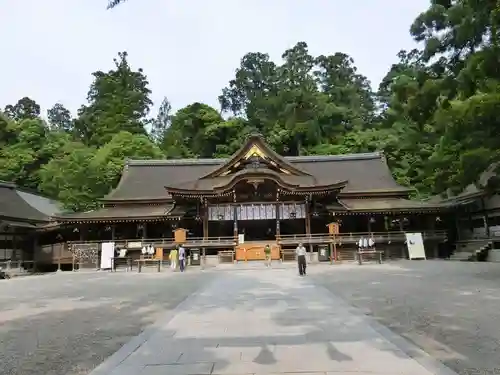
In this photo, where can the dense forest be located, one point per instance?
(434, 114)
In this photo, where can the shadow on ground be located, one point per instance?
(68, 324)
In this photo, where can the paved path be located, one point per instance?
(267, 322)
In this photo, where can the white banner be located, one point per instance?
(415, 244)
(107, 252)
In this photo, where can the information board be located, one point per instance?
(415, 244)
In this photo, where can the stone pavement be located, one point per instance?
(267, 322)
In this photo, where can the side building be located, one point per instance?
(258, 197)
(477, 218)
(23, 214)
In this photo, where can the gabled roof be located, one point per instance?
(18, 204)
(144, 180)
(257, 147)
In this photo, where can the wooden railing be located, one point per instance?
(230, 241)
(378, 237)
(165, 242)
(210, 241)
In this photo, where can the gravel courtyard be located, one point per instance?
(449, 309)
(69, 323)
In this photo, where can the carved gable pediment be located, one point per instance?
(256, 154)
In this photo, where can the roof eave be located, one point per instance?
(375, 193)
(117, 219)
(227, 189)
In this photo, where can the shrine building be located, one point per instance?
(234, 207)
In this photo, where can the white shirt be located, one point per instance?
(300, 250)
(182, 253)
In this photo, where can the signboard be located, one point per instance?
(415, 244)
(107, 252)
(333, 228)
(180, 235)
(134, 245)
(241, 238)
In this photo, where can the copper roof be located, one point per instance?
(146, 179)
(226, 182)
(126, 212)
(20, 204)
(387, 204)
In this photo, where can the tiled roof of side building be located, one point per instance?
(20, 204)
(146, 179)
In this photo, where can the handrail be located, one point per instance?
(355, 236)
(284, 237)
(147, 241)
(359, 234)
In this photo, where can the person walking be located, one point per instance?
(267, 252)
(301, 259)
(182, 258)
(173, 259)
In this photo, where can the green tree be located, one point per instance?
(118, 101)
(109, 160)
(80, 175)
(72, 178)
(24, 109)
(186, 137)
(161, 123)
(60, 118)
(461, 42)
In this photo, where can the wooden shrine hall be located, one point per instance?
(236, 206)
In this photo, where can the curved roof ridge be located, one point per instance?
(357, 156)
(217, 161)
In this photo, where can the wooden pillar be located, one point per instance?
(205, 223)
(82, 232)
(278, 232)
(457, 224)
(235, 222)
(485, 219)
(308, 224)
(144, 230)
(61, 248)
(469, 221)
(113, 232)
(369, 224)
(205, 233)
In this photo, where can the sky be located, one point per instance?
(188, 49)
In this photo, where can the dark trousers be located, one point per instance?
(301, 261)
(182, 264)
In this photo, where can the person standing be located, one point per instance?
(182, 258)
(267, 252)
(173, 259)
(301, 259)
